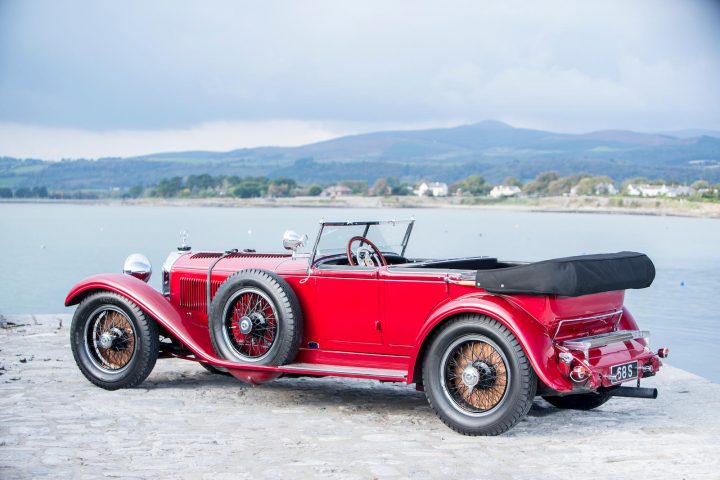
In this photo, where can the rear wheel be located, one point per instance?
(583, 401)
(255, 317)
(477, 377)
(115, 344)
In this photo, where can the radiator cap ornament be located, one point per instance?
(184, 247)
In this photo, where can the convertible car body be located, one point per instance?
(481, 337)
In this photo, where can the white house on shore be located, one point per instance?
(599, 189)
(434, 189)
(504, 191)
(646, 190)
(336, 191)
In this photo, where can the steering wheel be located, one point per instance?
(365, 255)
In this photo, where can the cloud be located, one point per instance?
(51, 143)
(174, 66)
(27, 141)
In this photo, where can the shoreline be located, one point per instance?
(598, 205)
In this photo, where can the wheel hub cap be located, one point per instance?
(470, 376)
(245, 325)
(107, 339)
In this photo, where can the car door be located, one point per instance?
(349, 307)
(408, 296)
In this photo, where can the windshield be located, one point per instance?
(388, 236)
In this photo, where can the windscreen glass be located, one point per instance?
(387, 236)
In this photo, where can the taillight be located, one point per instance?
(579, 373)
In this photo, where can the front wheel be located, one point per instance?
(477, 377)
(115, 344)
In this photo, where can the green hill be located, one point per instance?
(492, 149)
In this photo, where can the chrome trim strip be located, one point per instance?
(596, 341)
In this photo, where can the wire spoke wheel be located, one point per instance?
(114, 343)
(110, 339)
(475, 375)
(250, 323)
(255, 318)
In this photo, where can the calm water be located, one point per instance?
(47, 248)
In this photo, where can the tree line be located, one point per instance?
(208, 186)
(25, 192)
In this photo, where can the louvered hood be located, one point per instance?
(232, 262)
(189, 273)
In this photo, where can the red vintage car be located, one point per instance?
(481, 337)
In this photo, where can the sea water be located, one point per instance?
(46, 248)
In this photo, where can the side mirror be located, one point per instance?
(293, 240)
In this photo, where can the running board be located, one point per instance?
(316, 369)
(345, 371)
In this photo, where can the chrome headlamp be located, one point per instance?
(138, 266)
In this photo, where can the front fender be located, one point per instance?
(533, 338)
(151, 302)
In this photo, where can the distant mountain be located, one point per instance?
(691, 133)
(492, 149)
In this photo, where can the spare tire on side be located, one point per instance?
(255, 317)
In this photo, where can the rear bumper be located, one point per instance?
(588, 361)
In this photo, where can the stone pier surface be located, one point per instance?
(184, 422)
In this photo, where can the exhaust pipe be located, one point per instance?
(634, 392)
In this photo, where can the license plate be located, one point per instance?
(624, 372)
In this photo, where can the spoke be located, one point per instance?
(256, 304)
(244, 303)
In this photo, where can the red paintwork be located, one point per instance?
(375, 318)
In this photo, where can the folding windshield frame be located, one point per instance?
(405, 240)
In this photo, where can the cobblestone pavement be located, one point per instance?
(186, 423)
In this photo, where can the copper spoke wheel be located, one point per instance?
(475, 375)
(110, 339)
(114, 343)
(251, 324)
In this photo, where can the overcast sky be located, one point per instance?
(99, 78)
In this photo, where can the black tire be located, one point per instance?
(279, 317)
(505, 381)
(582, 401)
(134, 346)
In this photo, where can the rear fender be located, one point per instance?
(533, 337)
(153, 303)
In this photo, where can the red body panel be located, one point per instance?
(372, 318)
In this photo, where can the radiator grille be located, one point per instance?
(193, 294)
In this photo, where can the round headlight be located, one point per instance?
(138, 266)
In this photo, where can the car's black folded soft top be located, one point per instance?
(572, 276)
